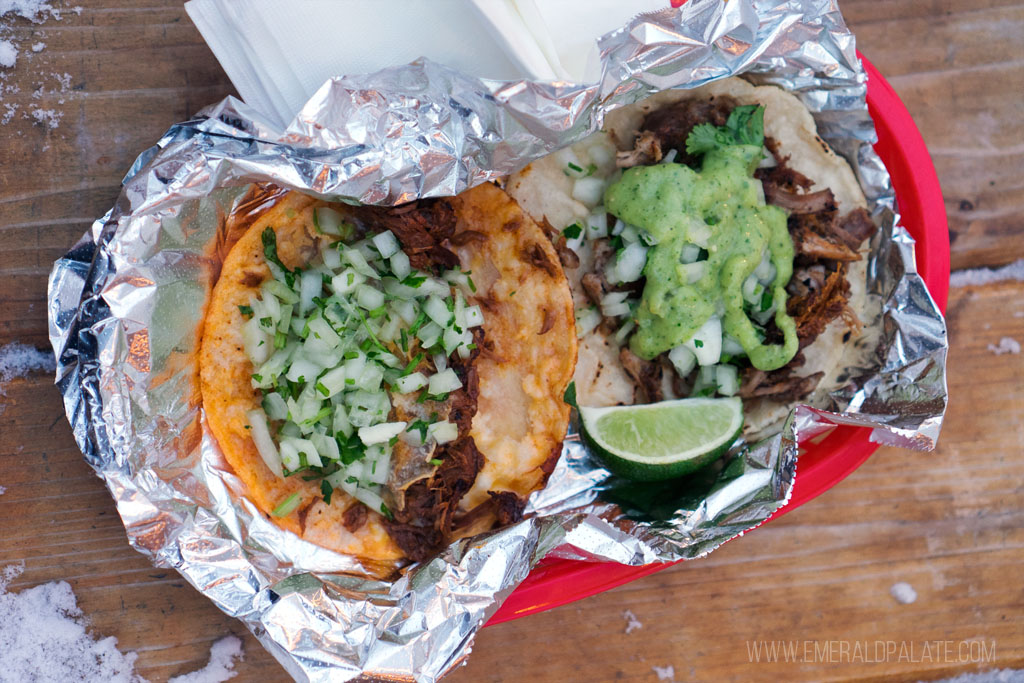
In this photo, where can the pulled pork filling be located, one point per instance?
(818, 291)
(426, 521)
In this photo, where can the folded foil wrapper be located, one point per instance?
(125, 311)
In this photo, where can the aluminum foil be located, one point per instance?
(125, 307)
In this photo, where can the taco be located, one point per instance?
(715, 246)
(384, 380)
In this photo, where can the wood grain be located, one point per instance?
(949, 522)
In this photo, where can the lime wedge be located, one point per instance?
(662, 440)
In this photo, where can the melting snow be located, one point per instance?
(632, 623)
(903, 593)
(985, 276)
(223, 654)
(665, 673)
(44, 637)
(8, 54)
(17, 360)
(1006, 345)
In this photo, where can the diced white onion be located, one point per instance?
(328, 220)
(440, 361)
(258, 343)
(699, 233)
(669, 157)
(694, 271)
(615, 310)
(443, 432)
(474, 316)
(406, 310)
(689, 254)
(587, 320)
(275, 406)
(731, 346)
(410, 383)
(378, 465)
(628, 265)
(369, 297)
(588, 191)
(386, 244)
(400, 264)
(321, 330)
(623, 332)
(765, 270)
(381, 433)
(334, 381)
(263, 441)
(619, 226)
(443, 382)
(706, 342)
(340, 423)
(359, 263)
(597, 223)
(311, 283)
(281, 291)
(437, 311)
(429, 334)
(727, 378)
(346, 281)
(683, 360)
(332, 259)
(303, 370)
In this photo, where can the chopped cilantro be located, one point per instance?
(744, 127)
(698, 343)
(436, 461)
(327, 490)
(386, 512)
(322, 389)
(574, 167)
(573, 231)
(245, 310)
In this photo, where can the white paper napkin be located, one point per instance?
(277, 53)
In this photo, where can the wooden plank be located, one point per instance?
(950, 523)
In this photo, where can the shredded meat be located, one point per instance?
(354, 517)
(811, 202)
(420, 226)
(593, 285)
(810, 247)
(817, 299)
(646, 374)
(646, 151)
(421, 527)
(780, 385)
(669, 127)
(855, 227)
(509, 506)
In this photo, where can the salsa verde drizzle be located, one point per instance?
(677, 206)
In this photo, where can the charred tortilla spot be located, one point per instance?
(252, 278)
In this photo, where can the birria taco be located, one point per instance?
(715, 246)
(383, 380)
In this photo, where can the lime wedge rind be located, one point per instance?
(662, 440)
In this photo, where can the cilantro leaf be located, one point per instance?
(745, 126)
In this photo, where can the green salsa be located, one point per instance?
(721, 208)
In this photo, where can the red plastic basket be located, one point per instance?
(826, 463)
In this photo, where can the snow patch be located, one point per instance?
(1006, 345)
(665, 673)
(632, 623)
(8, 54)
(223, 654)
(3, 490)
(43, 637)
(17, 360)
(903, 593)
(38, 47)
(46, 117)
(986, 276)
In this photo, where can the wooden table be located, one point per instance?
(950, 523)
